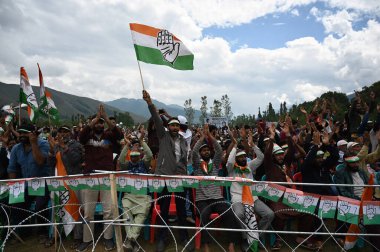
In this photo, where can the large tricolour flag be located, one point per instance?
(159, 46)
(27, 96)
(47, 106)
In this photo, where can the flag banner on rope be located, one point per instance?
(371, 212)
(4, 190)
(140, 185)
(207, 180)
(174, 185)
(293, 198)
(156, 184)
(310, 202)
(159, 46)
(104, 182)
(300, 200)
(27, 95)
(91, 183)
(327, 207)
(75, 184)
(36, 187)
(122, 184)
(258, 189)
(55, 184)
(348, 210)
(16, 192)
(190, 182)
(273, 192)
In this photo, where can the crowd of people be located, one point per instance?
(322, 150)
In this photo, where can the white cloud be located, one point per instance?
(295, 12)
(84, 48)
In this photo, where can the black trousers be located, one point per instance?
(228, 219)
(164, 203)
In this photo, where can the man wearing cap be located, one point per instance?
(209, 198)
(171, 160)
(136, 207)
(71, 154)
(342, 147)
(98, 144)
(237, 166)
(351, 175)
(28, 159)
(275, 170)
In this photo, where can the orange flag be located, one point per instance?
(350, 240)
(71, 207)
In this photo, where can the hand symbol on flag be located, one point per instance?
(371, 212)
(308, 201)
(292, 198)
(35, 184)
(167, 46)
(327, 205)
(344, 208)
(272, 192)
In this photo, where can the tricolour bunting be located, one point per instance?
(47, 106)
(299, 200)
(327, 207)
(348, 210)
(4, 190)
(159, 46)
(273, 192)
(174, 185)
(156, 184)
(36, 187)
(371, 212)
(27, 96)
(16, 192)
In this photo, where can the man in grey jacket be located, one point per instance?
(171, 160)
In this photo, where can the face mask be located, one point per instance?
(24, 139)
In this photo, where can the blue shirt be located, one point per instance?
(22, 161)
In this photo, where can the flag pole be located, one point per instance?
(19, 114)
(142, 80)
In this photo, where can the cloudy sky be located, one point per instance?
(255, 51)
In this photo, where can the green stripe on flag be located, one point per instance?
(154, 56)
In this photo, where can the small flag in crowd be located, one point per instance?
(36, 187)
(174, 185)
(159, 46)
(16, 192)
(27, 96)
(47, 106)
(327, 207)
(156, 184)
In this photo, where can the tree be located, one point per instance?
(189, 111)
(271, 114)
(203, 109)
(259, 114)
(125, 118)
(226, 104)
(216, 110)
(281, 109)
(284, 109)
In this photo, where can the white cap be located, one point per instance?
(341, 142)
(182, 120)
(351, 144)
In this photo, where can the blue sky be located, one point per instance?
(253, 50)
(272, 31)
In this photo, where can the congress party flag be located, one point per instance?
(123, 183)
(159, 46)
(156, 184)
(16, 192)
(327, 207)
(47, 106)
(36, 187)
(4, 190)
(174, 185)
(348, 210)
(27, 95)
(273, 192)
(371, 212)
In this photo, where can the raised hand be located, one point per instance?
(325, 138)
(167, 46)
(146, 97)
